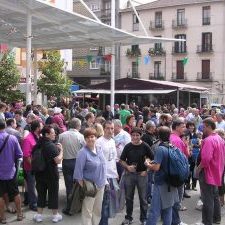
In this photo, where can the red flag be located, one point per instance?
(108, 57)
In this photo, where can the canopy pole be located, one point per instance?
(113, 62)
(35, 75)
(189, 98)
(28, 58)
(178, 97)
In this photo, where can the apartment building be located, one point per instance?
(86, 73)
(198, 61)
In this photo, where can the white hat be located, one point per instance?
(57, 110)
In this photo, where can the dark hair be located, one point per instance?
(122, 106)
(189, 123)
(2, 124)
(10, 121)
(88, 116)
(129, 117)
(210, 123)
(177, 123)
(34, 125)
(90, 131)
(2, 105)
(19, 112)
(107, 122)
(136, 130)
(46, 130)
(164, 133)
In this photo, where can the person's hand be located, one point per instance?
(143, 173)
(147, 162)
(131, 168)
(81, 183)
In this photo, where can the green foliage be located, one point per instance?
(52, 81)
(9, 78)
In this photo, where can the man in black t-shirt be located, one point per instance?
(132, 159)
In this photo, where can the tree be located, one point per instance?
(53, 81)
(9, 78)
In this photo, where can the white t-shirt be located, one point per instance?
(121, 139)
(220, 125)
(109, 150)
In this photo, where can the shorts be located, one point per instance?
(10, 187)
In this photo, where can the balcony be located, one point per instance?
(179, 24)
(105, 13)
(204, 49)
(156, 25)
(135, 75)
(135, 26)
(206, 21)
(156, 76)
(156, 52)
(104, 72)
(179, 50)
(179, 77)
(205, 76)
(133, 52)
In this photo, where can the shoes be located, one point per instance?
(217, 221)
(186, 195)
(56, 218)
(127, 222)
(3, 221)
(66, 212)
(33, 208)
(143, 223)
(183, 208)
(38, 218)
(182, 223)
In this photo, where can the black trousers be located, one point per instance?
(50, 185)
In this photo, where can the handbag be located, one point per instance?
(90, 188)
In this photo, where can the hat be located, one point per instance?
(57, 110)
(136, 130)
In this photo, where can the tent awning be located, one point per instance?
(53, 28)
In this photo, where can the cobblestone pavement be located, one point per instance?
(190, 217)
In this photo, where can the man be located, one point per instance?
(178, 129)
(220, 124)
(89, 121)
(10, 153)
(107, 144)
(107, 114)
(121, 138)
(123, 114)
(3, 107)
(211, 170)
(20, 120)
(197, 120)
(28, 145)
(162, 199)
(133, 159)
(11, 129)
(72, 141)
(165, 120)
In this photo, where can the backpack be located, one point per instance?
(38, 162)
(178, 167)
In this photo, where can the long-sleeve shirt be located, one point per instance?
(212, 159)
(91, 166)
(177, 142)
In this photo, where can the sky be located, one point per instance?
(123, 3)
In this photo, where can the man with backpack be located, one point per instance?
(163, 198)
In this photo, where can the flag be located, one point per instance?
(138, 60)
(185, 60)
(147, 59)
(89, 58)
(108, 58)
(98, 59)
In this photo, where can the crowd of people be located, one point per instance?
(106, 156)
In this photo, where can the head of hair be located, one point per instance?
(89, 115)
(90, 131)
(34, 125)
(177, 123)
(28, 108)
(74, 123)
(107, 122)
(220, 132)
(10, 121)
(209, 122)
(99, 129)
(129, 117)
(2, 124)
(32, 116)
(117, 122)
(2, 105)
(136, 130)
(19, 112)
(122, 106)
(46, 130)
(189, 123)
(164, 133)
(149, 124)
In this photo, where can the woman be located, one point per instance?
(91, 165)
(48, 180)
(130, 123)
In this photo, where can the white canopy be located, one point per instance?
(53, 28)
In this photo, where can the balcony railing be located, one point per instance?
(156, 76)
(179, 24)
(156, 52)
(135, 75)
(156, 25)
(177, 50)
(133, 52)
(206, 21)
(204, 49)
(135, 26)
(178, 77)
(204, 76)
(104, 72)
(105, 13)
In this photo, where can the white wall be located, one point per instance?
(123, 3)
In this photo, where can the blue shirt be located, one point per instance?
(91, 166)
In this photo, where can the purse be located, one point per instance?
(90, 189)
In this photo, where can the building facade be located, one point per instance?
(198, 61)
(95, 71)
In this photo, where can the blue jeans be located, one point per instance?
(68, 166)
(133, 180)
(105, 207)
(156, 210)
(150, 183)
(32, 198)
(176, 208)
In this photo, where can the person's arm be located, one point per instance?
(130, 168)
(58, 159)
(152, 165)
(206, 153)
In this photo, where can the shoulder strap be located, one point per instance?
(4, 143)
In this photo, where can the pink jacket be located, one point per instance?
(59, 120)
(212, 159)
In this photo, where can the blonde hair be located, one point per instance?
(99, 129)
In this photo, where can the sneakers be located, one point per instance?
(182, 223)
(127, 222)
(56, 218)
(38, 218)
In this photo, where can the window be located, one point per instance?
(180, 69)
(94, 65)
(157, 69)
(180, 17)
(206, 15)
(95, 7)
(107, 8)
(180, 47)
(158, 45)
(158, 19)
(206, 42)
(134, 48)
(135, 23)
(135, 70)
(205, 69)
